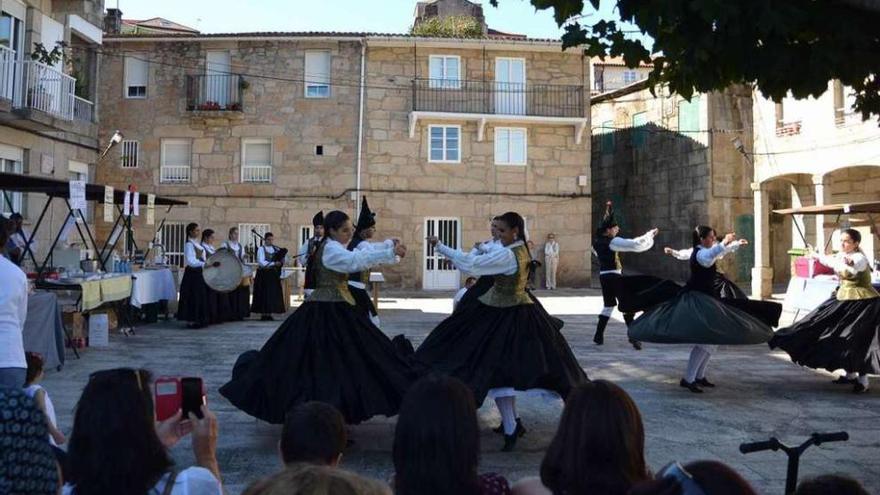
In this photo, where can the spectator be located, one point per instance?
(306, 479)
(437, 442)
(36, 392)
(26, 461)
(313, 433)
(831, 484)
(13, 311)
(716, 478)
(599, 447)
(117, 447)
(551, 260)
(468, 283)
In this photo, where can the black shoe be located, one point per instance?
(519, 431)
(267, 318)
(858, 388)
(636, 344)
(704, 383)
(509, 443)
(690, 386)
(843, 380)
(599, 336)
(599, 339)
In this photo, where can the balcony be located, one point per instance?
(786, 129)
(214, 93)
(491, 101)
(174, 174)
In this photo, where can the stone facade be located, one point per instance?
(655, 159)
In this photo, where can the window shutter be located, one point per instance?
(317, 67)
(135, 71)
(257, 153)
(177, 153)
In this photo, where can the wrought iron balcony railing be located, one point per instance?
(498, 98)
(214, 93)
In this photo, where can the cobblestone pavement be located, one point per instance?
(760, 394)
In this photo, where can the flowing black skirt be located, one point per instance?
(268, 296)
(693, 317)
(471, 298)
(218, 303)
(726, 289)
(239, 302)
(636, 293)
(324, 351)
(194, 304)
(836, 335)
(488, 347)
(363, 301)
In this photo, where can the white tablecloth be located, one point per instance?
(805, 294)
(150, 286)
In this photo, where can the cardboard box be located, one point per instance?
(809, 268)
(75, 323)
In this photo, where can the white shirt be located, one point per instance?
(369, 246)
(458, 296)
(685, 254)
(837, 262)
(31, 391)
(209, 249)
(263, 255)
(708, 256)
(189, 253)
(638, 245)
(191, 481)
(235, 247)
(551, 249)
(495, 262)
(339, 259)
(13, 312)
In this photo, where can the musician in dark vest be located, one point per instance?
(360, 241)
(606, 246)
(268, 296)
(193, 305)
(240, 298)
(307, 250)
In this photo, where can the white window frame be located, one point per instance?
(252, 141)
(633, 77)
(129, 158)
(246, 238)
(444, 81)
(311, 81)
(163, 165)
(80, 171)
(508, 161)
(11, 166)
(444, 148)
(177, 232)
(137, 58)
(305, 233)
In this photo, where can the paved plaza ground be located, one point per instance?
(760, 394)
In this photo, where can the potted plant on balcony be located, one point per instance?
(38, 93)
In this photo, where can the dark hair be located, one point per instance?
(314, 432)
(599, 446)
(232, 229)
(717, 478)
(513, 220)
(335, 219)
(469, 279)
(853, 234)
(206, 234)
(190, 228)
(114, 447)
(323, 480)
(332, 220)
(268, 234)
(436, 440)
(34, 366)
(700, 232)
(5, 227)
(831, 484)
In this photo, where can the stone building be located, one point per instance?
(808, 152)
(261, 130)
(48, 108)
(668, 163)
(612, 74)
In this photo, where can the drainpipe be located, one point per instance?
(357, 194)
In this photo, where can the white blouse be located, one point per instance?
(551, 249)
(235, 247)
(339, 259)
(263, 254)
(369, 246)
(685, 254)
(495, 262)
(189, 252)
(708, 256)
(191, 481)
(638, 245)
(837, 262)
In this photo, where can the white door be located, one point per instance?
(439, 273)
(217, 81)
(510, 86)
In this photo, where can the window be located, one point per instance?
(305, 233)
(510, 146)
(445, 71)
(630, 76)
(176, 160)
(249, 241)
(11, 164)
(256, 160)
(317, 75)
(12, 43)
(844, 99)
(172, 237)
(606, 145)
(639, 133)
(689, 117)
(445, 143)
(80, 171)
(136, 70)
(130, 153)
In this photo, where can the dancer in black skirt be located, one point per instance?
(503, 344)
(193, 306)
(606, 246)
(699, 316)
(240, 298)
(268, 296)
(844, 331)
(724, 287)
(218, 302)
(327, 350)
(307, 250)
(363, 232)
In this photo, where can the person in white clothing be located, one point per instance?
(307, 250)
(268, 295)
(551, 260)
(13, 312)
(21, 238)
(239, 299)
(364, 231)
(34, 390)
(468, 283)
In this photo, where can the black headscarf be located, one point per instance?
(318, 219)
(366, 219)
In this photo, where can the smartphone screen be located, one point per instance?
(193, 399)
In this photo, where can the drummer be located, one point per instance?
(218, 302)
(240, 298)
(268, 296)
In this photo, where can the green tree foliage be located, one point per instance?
(780, 46)
(456, 26)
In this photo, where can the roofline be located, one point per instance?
(610, 95)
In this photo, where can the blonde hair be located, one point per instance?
(308, 479)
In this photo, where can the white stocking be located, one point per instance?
(507, 408)
(694, 363)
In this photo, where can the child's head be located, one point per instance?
(34, 367)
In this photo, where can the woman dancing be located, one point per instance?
(844, 331)
(724, 287)
(502, 343)
(360, 241)
(326, 350)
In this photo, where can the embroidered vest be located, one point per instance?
(608, 258)
(856, 286)
(330, 286)
(510, 290)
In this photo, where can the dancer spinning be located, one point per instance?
(326, 350)
(502, 344)
(844, 331)
(724, 287)
(698, 316)
(606, 247)
(363, 232)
